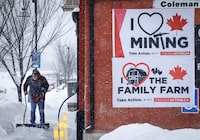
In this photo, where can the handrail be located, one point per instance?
(63, 104)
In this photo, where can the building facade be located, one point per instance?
(96, 114)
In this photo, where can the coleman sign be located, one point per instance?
(153, 58)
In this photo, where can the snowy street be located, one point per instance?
(12, 113)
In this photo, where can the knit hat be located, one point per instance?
(35, 72)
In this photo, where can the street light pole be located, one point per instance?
(35, 2)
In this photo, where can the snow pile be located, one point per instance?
(12, 112)
(149, 132)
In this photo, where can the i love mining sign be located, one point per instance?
(153, 58)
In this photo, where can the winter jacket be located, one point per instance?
(36, 87)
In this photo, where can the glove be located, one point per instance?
(25, 93)
(42, 94)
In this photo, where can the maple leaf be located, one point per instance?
(178, 73)
(176, 23)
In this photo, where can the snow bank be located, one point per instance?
(12, 112)
(149, 132)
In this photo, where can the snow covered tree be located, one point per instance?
(4, 14)
(66, 63)
(20, 34)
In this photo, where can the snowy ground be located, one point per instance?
(150, 132)
(11, 113)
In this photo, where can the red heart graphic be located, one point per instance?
(132, 65)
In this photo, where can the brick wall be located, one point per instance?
(106, 117)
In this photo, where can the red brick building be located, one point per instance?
(96, 114)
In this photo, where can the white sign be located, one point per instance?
(139, 82)
(176, 3)
(153, 32)
(153, 58)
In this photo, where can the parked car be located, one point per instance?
(51, 86)
(62, 86)
(3, 90)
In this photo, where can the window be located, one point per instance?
(71, 4)
(197, 54)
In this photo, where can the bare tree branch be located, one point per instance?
(66, 61)
(17, 34)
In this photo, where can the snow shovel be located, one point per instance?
(36, 125)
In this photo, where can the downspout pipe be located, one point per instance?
(80, 114)
(91, 126)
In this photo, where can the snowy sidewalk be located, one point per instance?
(12, 113)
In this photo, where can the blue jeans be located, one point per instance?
(41, 110)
